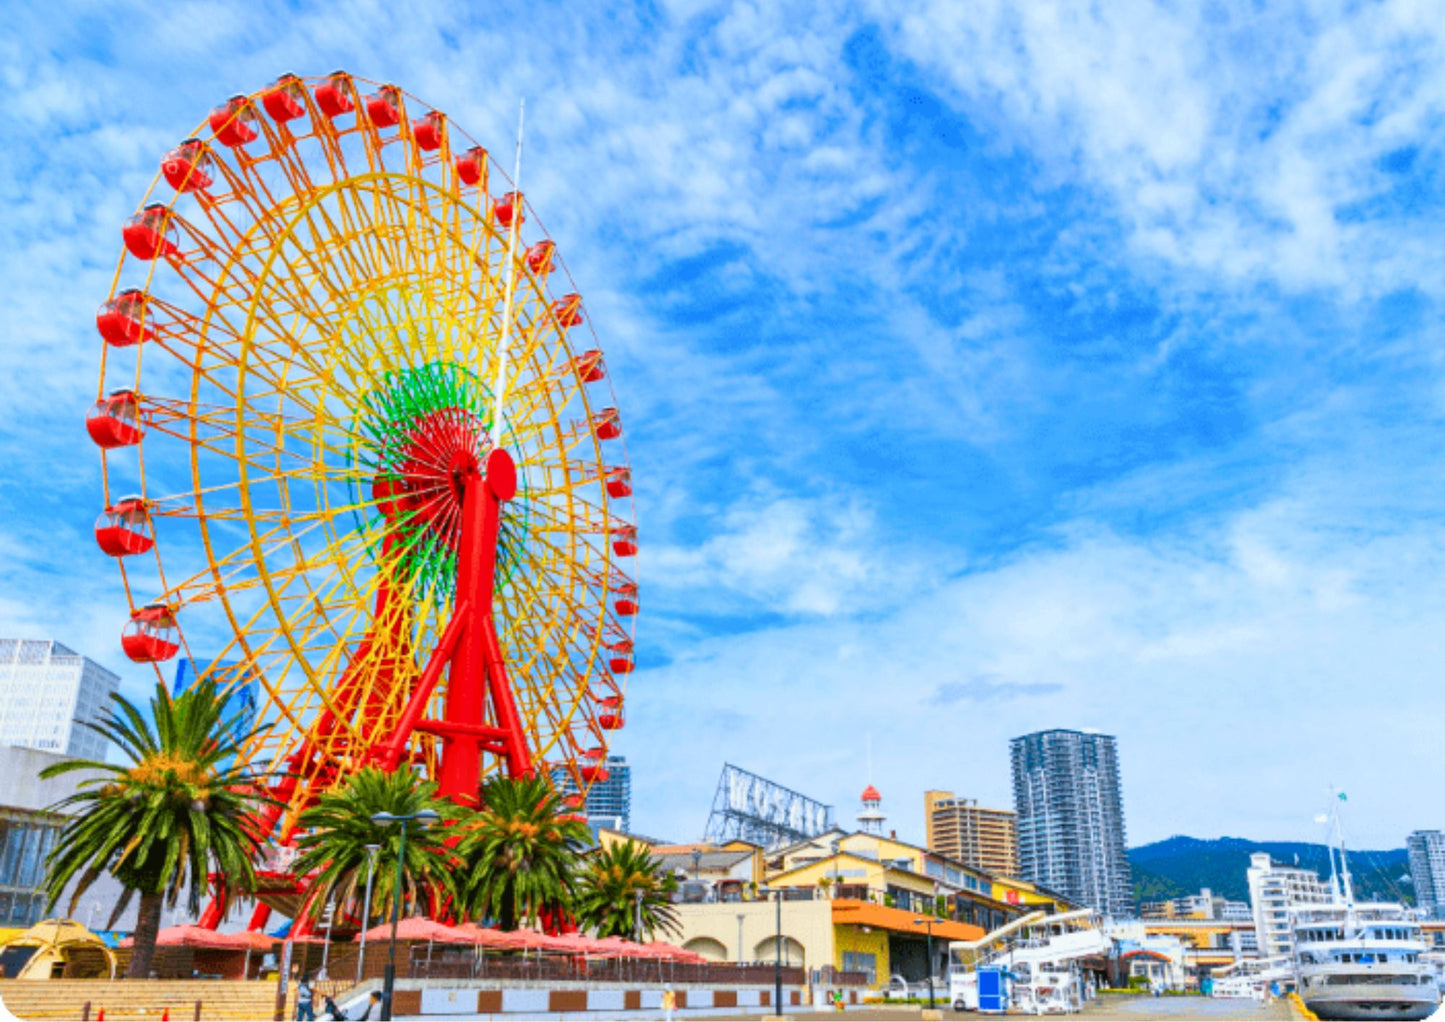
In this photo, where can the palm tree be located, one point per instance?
(609, 888)
(521, 850)
(161, 822)
(337, 829)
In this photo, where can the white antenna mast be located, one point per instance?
(499, 384)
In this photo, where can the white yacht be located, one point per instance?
(1360, 960)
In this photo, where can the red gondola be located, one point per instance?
(472, 166)
(626, 603)
(188, 167)
(588, 366)
(610, 721)
(594, 774)
(286, 99)
(114, 421)
(621, 662)
(119, 319)
(385, 106)
(539, 257)
(624, 541)
(125, 528)
(568, 310)
(334, 96)
(151, 635)
(431, 132)
(607, 424)
(150, 233)
(234, 122)
(619, 482)
(508, 206)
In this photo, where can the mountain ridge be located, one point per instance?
(1182, 865)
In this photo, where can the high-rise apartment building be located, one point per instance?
(1426, 849)
(1273, 890)
(609, 802)
(961, 829)
(1071, 817)
(45, 689)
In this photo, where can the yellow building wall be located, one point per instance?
(1027, 895)
(876, 875)
(872, 942)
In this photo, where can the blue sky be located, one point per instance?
(985, 368)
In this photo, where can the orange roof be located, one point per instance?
(699, 846)
(865, 913)
(870, 794)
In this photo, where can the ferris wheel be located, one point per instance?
(360, 450)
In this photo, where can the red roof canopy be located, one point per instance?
(417, 928)
(200, 937)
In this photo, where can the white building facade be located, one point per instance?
(1273, 890)
(44, 689)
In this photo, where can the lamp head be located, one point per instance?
(384, 818)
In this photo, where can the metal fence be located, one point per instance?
(449, 962)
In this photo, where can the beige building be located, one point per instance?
(961, 829)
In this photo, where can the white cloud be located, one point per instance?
(1236, 141)
(1244, 669)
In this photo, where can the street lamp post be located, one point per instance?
(388, 982)
(371, 851)
(696, 864)
(836, 876)
(637, 918)
(929, 922)
(326, 948)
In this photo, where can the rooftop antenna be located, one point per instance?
(499, 384)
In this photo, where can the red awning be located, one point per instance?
(200, 937)
(417, 928)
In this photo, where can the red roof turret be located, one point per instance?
(870, 794)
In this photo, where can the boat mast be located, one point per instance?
(1344, 861)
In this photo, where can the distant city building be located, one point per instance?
(1071, 817)
(609, 802)
(871, 816)
(961, 829)
(45, 689)
(1204, 905)
(1273, 889)
(1427, 870)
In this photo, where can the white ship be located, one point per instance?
(1360, 960)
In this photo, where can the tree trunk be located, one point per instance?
(147, 925)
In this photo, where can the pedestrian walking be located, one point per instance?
(305, 1001)
(669, 1003)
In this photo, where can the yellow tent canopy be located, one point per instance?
(64, 943)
